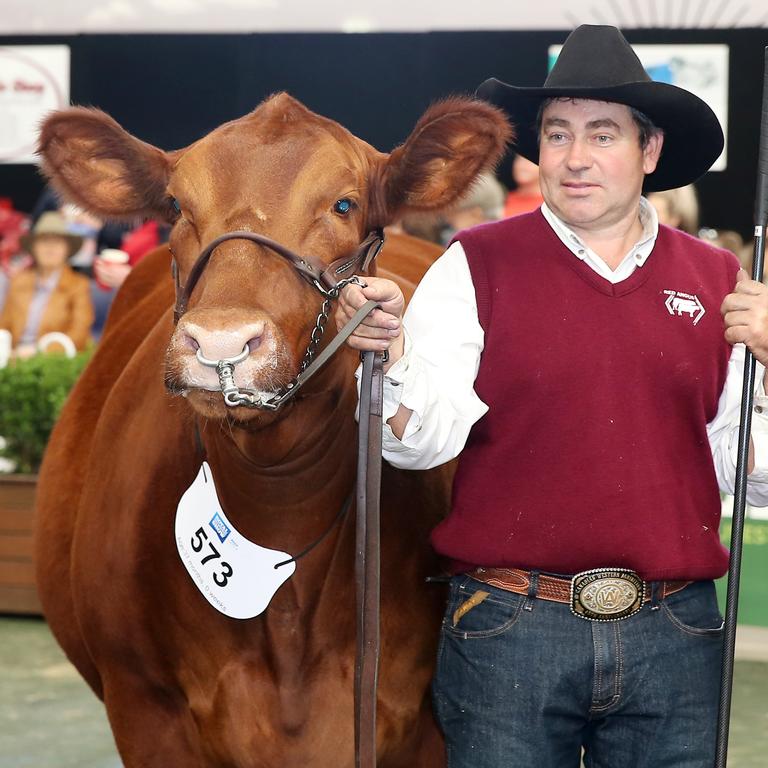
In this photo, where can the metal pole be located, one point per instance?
(740, 491)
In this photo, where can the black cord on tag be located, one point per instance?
(199, 440)
(341, 514)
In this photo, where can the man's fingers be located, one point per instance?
(366, 344)
(376, 318)
(738, 318)
(737, 334)
(380, 327)
(382, 290)
(745, 284)
(352, 297)
(743, 300)
(375, 332)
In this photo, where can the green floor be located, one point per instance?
(50, 719)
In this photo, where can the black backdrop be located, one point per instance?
(171, 89)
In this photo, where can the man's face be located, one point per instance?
(591, 164)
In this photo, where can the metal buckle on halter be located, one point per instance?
(606, 594)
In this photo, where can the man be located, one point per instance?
(575, 358)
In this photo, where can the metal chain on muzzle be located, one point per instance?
(225, 368)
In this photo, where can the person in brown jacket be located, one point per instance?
(48, 297)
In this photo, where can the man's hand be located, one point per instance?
(745, 312)
(382, 328)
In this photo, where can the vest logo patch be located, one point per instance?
(679, 303)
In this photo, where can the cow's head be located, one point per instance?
(281, 171)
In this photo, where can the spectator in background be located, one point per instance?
(730, 240)
(13, 224)
(108, 235)
(526, 196)
(678, 208)
(50, 296)
(87, 227)
(112, 266)
(485, 202)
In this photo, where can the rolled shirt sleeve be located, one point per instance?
(723, 431)
(435, 376)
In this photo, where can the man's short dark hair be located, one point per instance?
(644, 124)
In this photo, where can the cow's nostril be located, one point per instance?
(191, 342)
(254, 343)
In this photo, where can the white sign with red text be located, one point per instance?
(34, 80)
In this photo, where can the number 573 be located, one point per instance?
(197, 542)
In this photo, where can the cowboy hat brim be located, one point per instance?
(693, 138)
(75, 242)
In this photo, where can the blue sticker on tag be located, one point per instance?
(220, 527)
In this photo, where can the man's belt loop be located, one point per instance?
(656, 586)
(533, 588)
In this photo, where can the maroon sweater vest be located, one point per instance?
(594, 450)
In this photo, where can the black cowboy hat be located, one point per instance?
(596, 62)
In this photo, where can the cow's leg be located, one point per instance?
(58, 497)
(424, 749)
(152, 728)
(431, 748)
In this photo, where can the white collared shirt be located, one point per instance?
(636, 257)
(444, 341)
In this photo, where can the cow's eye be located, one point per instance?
(343, 206)
(174, 209)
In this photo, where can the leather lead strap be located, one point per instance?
(367, 545)
(367, 559)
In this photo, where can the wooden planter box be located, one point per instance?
(17, 573)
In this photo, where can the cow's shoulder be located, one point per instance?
(406, 259)
(150, 277)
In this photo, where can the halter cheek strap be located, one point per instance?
(321, 276)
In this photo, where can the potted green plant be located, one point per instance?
(32, 393)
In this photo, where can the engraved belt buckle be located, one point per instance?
(606, 594)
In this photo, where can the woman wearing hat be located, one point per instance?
(50, 296)
(575, 359)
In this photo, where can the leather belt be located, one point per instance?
(602, 594)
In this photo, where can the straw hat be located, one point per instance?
(52, 224)
(597, 62)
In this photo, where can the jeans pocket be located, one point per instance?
(477, 611)
(694, 610)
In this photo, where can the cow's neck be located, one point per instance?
(282, 484)
(283, 487)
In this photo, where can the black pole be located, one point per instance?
(740, 491)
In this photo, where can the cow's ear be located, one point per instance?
(93, 162)
(453, 142)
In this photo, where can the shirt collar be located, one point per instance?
(48, 283)
(639, 252)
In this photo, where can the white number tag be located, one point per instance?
(236, 576)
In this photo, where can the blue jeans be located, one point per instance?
(523, 683)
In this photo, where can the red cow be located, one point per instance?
(184, 685)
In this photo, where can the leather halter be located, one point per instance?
(321, 276)
(327, 279)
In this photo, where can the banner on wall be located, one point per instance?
(34, 79)
(700, 69)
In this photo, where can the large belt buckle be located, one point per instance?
(606, 594)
